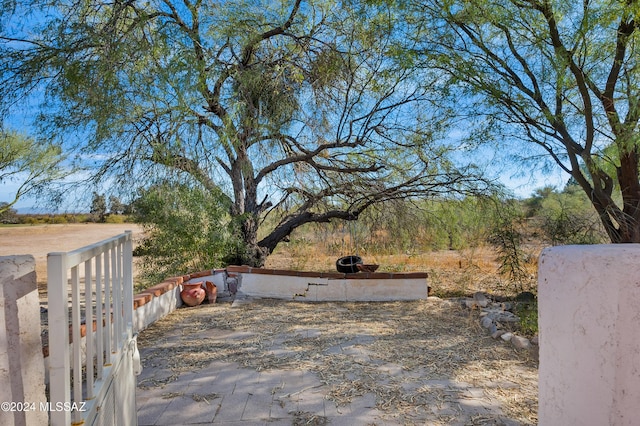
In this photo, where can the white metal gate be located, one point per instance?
(92, 381)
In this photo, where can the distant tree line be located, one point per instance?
(101, 209)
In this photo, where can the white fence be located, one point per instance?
(92, 381)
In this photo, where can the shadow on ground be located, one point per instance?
(280, 362)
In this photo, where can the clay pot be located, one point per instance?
(367, 267)
(192, 294)
(212, 291)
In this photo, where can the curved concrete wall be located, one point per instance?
(332, 286)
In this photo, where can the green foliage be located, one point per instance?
(116, 206)
(506, 237)
(563, 77)
(412, 226)
(461, 224)
(34, 164)
(303, 106)
(533, 204)
(115, 218)
(567, 218)
(186, 229)
(528, 314)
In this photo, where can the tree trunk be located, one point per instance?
(254, 255)
(621, 225)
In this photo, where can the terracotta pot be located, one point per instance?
(192, 294)
(212, 291)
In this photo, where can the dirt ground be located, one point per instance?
(39, 240)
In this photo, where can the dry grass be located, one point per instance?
(451, 272)
(391, 350)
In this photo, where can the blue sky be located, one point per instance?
(521, 186)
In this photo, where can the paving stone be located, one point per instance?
(231, 407)
(332, 410)
(277, 397)
(258, 407)
(270, 379)
(333, 350)
(150, 410)
(184, 409)
(311, 402)
(282, 408)
(473, 393)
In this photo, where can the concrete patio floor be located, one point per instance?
(223, 391)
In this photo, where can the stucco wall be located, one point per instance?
(589, 320)
(21, 360)
(332, 286)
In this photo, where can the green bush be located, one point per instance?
(187, 229)
(569, 218)
(506, 236)
(115, 218)
(58, 219)
(528, 314)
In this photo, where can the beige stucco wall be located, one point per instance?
(332, 289)
(589, 320)
(21, 360)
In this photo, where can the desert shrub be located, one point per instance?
(528, 314)
(32, 220)
(506, 236)
(187, 229)
(98, 208)
(58, 219)
(115, 218)
(569, 218)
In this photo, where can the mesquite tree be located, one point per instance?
(303, 109)
(32, 164)
(562, 76)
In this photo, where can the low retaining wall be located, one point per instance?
(589, 314)
(156, 302)
(319, 286)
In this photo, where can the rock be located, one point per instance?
(506, 306)
(469, 303)
(480, 299)
(534, 340)
(502, 316)
(520, 342)
(493, 328)
(506, 336)
(486, 322)
(497, 333)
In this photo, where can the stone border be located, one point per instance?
(494, 315)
